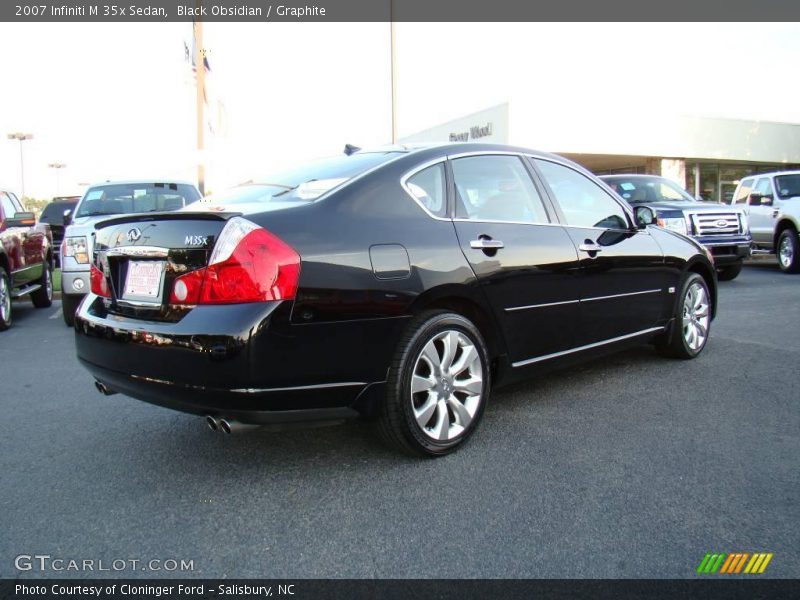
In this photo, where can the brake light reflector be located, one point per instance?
(98, 282)
(248, 264)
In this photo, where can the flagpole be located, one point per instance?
(200, 70)
(394, 72)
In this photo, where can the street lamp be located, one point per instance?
(21, 137)
(57, 166)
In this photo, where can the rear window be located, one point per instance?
(127, 198)
(305, 183)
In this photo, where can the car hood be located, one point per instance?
(699, 207)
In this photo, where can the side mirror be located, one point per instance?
(644, 216)
(67, 215)
(758, 199)
(766, 200)
(22, 219)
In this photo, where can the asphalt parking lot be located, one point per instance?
(630, 466)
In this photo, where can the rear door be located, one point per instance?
(525, 262)
(626, 287)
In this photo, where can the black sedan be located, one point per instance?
(400, 284)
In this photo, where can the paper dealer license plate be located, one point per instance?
(144, 278)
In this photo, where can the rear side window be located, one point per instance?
(584, 203)
(496, 188)
(428, 188)
(743, 191)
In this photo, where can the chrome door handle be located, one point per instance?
(590, 247)
(486, 244)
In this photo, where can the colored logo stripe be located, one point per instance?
(734, 562)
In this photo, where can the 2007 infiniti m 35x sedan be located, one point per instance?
(400, 284)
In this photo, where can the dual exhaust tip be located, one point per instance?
(103, 388)
(227, 425)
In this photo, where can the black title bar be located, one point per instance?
(124, 11)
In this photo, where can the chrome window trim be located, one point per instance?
(625, 295)
(530, 361)
(419, 168)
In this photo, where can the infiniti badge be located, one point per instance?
(134, 234)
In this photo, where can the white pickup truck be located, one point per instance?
(772, 203)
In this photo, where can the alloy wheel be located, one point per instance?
(786, 252)
(447, 385)
(696, 316)
(48, 283)
(5, 300)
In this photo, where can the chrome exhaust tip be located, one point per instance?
(103, 388)
(229, 426)
(213, 423)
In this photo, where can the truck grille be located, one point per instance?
(716, 223)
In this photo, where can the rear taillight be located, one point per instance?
(249, 264)
(99, 282)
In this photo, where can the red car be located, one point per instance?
(26, 258)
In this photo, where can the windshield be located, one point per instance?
(788, 185)
(650, 189)
(127, 198)
(304, 183)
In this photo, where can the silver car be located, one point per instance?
(102, 201)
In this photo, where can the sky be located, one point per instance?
(116, 100)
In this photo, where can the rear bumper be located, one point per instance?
(244, 362)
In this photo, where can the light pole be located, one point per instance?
(57, 166)
(393, 60)
(21, 137)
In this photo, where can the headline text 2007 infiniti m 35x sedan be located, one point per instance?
(400, 284)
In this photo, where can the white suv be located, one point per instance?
(772, 202)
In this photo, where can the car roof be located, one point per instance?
(771, 174)
(142, 181)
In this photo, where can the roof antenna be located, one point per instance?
(350, 149)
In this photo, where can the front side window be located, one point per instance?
(8, 207)
(496, 188)
(743, 192)
(763, 187)
(584, 203)
(428, 188)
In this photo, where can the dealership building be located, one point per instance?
(706, 155)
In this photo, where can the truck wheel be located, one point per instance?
(5, 300)
(789, 251)
(69, 304)
(438, 385)
(43, 297)
(692, 321)
(729, 273)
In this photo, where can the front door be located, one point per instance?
(626, 287)
(762, 216)
(525, 263)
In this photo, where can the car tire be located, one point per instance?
(788, 251)
(438, 385)
(692, 320)
(729, 273)
(43, 297)
(5, 300)
(69, 305)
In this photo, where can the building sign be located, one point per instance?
(474, 133)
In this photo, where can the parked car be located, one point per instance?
(400, 284)
(772, 202)
(26, 258)
(55, 215)
(99, 202)
(721, 229)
